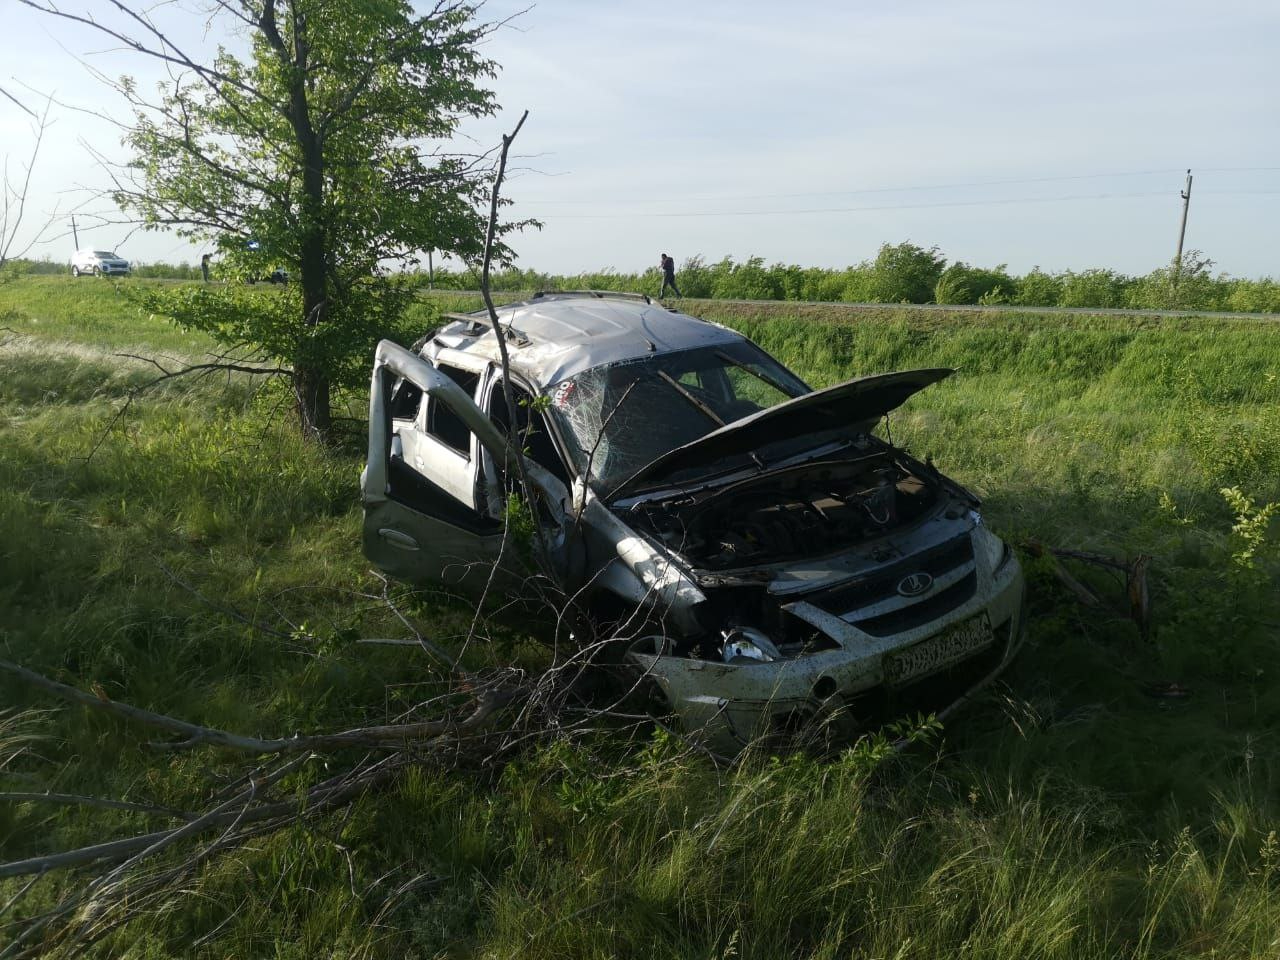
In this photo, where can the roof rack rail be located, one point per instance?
(476, 323)
(598, 294)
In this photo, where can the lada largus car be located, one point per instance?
(98, 262)
(768, 563)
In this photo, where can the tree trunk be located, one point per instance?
(311, 390)
(310, 377)
(310, 373)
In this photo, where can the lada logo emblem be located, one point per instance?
(915, 584)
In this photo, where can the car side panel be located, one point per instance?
(421, 523)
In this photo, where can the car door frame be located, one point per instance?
(456, 472)
(421, 544)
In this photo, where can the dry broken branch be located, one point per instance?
(69, 799)
(389, 736)
(1134, 571)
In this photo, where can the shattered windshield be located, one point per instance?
(620, 417)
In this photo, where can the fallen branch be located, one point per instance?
(68, 799)
(1082, 593)
(393, 735)
(1134, 571)
(221, 608)
(156, 840)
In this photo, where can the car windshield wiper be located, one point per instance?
(758, 374)
(679, 388)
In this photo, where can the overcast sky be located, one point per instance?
(1051, 134)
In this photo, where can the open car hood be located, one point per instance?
(854, 405)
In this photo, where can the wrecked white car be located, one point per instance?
(772, 563)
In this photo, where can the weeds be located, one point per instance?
(1071, 814)
(1250, 527)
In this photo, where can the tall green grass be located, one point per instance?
(1069, 814)
(94, 313)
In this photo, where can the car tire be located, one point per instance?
(97, 271)
(75, 271)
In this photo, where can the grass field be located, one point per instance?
(1070, 814)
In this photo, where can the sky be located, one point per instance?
(1026, 133)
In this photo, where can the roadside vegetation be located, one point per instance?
(900, 273)
(1114, 797)
(907, 273)
(46, 267)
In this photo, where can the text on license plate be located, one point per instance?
(937, 653)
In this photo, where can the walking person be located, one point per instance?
(669, 276)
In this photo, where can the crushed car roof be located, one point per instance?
(555, 336)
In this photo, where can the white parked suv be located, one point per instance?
(98, 262)
(771, 563)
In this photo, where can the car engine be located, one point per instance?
(801, 511)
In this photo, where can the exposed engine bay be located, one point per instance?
(803, 511)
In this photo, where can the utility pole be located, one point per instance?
(1182, 231)
(75, 234)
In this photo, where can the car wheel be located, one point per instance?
(96, 271)
(75, 271)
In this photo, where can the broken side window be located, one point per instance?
(406, 398)
(538, 443)
(443, 423)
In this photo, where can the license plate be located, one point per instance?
(938, 653)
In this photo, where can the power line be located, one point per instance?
(896, 206)
(899, 206)
(925, 187)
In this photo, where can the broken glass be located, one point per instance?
(619, 417)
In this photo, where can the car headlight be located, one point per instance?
(994, 550)
(747, 645)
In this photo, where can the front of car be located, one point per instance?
(108, 263)
(804, 574)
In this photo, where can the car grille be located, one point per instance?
(927, 610)
(847, 601)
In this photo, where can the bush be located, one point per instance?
(961, 283)
(1190, 288)
(905, 273)
(1254, 296)
(1094, 288)
(1039, 289)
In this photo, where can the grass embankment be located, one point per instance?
(1069, 815)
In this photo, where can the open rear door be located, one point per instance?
(426, 519)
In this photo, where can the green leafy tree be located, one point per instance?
(905, 273)
(317, 147)
(961, 283)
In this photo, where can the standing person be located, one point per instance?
(668, 276)
(204, 267)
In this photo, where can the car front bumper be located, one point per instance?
(841, 692)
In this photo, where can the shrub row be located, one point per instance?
(900, 273)
(906, 273)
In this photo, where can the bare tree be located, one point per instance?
(15, 190)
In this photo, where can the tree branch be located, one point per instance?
(67, 799)
(389, 736)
